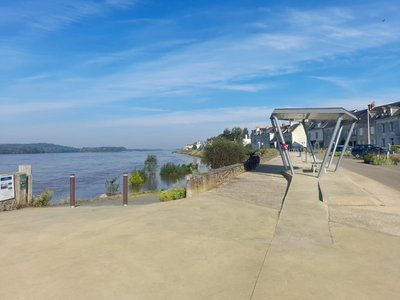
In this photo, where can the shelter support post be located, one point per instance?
(335, 146)
(309, 145)
(285, 150)
(323, 164)
(345, 146)
(275, 126)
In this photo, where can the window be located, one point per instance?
(360, 131)
(383, 142)
(383, 127)
(372, 129)
(316, 135)
(391, 126)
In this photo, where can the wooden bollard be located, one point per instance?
(72, 190)
(125, 190)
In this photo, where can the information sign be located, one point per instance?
(6, 187)
(23, 180)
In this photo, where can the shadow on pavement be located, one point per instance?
(269, 169)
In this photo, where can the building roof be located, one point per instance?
(313, 114)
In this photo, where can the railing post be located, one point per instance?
(72, 190)
(125, 190)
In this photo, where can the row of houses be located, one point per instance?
(378, 125)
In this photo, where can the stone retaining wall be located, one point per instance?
(197, 183)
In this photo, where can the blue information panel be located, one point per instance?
(7, 187)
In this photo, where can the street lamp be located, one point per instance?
(368, 133)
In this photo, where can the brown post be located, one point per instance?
(72, 190)
(125, 190)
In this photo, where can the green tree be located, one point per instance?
(237, 134)
(150, 165)
(222, 152)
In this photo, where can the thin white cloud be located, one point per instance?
(219, 116)
(50, 15)
(340, 82)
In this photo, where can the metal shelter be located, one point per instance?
(303, 115)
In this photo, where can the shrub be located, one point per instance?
(43, 199)
(376, 159)
(395, 159)
(171, 170)
(368, 158)
(252, 162)
(112, 186)
(172, 194)
(395, 148)
(222, 152)
(135, 178)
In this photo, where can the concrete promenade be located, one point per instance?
(238, 241)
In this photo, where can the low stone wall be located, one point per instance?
(197, 183)
(22, 189)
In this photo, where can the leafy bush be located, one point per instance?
(368, 158)
(43, 199)
(135, 178)
(376, 159)
(395, 159)
(252, 162)
(395, 148)
(112, 186)
(172, 194)
(172, 170)
(222, 152)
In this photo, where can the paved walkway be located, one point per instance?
(234, 242)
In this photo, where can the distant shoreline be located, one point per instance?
(41, 148)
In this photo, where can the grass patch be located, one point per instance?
(197, 153)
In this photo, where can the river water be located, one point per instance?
(52, 170)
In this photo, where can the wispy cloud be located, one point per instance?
(52, 15)
(220, 116)
(340, 82)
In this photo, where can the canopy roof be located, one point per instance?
(314, 114)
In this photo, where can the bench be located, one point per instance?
(315, 165)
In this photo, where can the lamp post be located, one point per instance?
(368, 129)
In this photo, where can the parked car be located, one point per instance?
(339, 150)
(360, 150)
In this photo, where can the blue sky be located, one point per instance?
(156, 73)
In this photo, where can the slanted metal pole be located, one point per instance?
(322, 169)
(72, 190)
(279, 147)
(285, 151)
(125, 189)
(345, 145)
(309, 142)
(335, 146)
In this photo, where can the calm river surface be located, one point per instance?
(52, 170)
